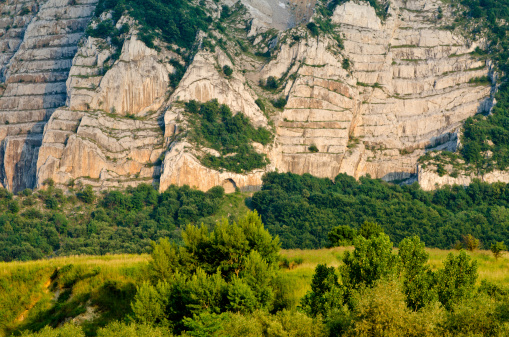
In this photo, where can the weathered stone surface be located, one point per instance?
(182, 168)
(35, 63)
(85, 143)
(430, 180)
(408, 87)
(408, 83)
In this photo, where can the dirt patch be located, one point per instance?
(24, 314)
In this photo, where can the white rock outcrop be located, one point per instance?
(408, 84)
(430, 180)
(373, 106)
(88, 143)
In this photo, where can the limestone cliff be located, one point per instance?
(409, 87)
(372, 94)
(38, 40)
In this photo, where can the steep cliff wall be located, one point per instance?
(38, 46)
(110, 134)
(371, 94)
(407, 87)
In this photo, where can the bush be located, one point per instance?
(342, 236)
(87, 195)
(260, 104)
(345, 63)
(471, 243)
(271, 83)
(313, 28)
(456, 280)
(227, 71)
(313, 148)
(372, 260)
(279, 103)
(497, 249)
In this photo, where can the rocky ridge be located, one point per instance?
(407, 87)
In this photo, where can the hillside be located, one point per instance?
(301, 210)
(92, 291)
(101, 97)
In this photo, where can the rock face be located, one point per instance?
(430, 180)
(38, 46)
(407, 86)
(395, 88)
(109, 135)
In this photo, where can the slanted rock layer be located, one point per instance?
(38, 47)
(394, 89)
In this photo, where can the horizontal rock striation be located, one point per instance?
(410, 82)
(38, 47)
(371, 96)
(110, 134)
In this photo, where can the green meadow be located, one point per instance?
(95, 290)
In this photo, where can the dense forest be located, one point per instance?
(228, 282)
(50, 222)
(302, 210)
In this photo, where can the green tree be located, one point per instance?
(418, 279)
(119, 329)
(312, 148)
(371, 260)
(206, 324)
(150, 302)
(67, 330)
(471, 243)
(87, 195)
(258, 274)
(370, 229)
(279, 103)
(260, 104)
(14, 206)
(498, 248)
(313, 28)
(227, 70)
(456, 280)
(271, 83)
(241, 297)
(342, 236)
(324, 285)
(166, 259)
(345, 63)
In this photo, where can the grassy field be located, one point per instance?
(36, 293)
(488, 267)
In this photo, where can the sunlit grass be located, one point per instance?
(27, 280)
(488, 267)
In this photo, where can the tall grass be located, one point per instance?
(44, 292)
(47, 292)
(496, 271)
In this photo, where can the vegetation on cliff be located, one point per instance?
(212, 125)
(175, 22)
